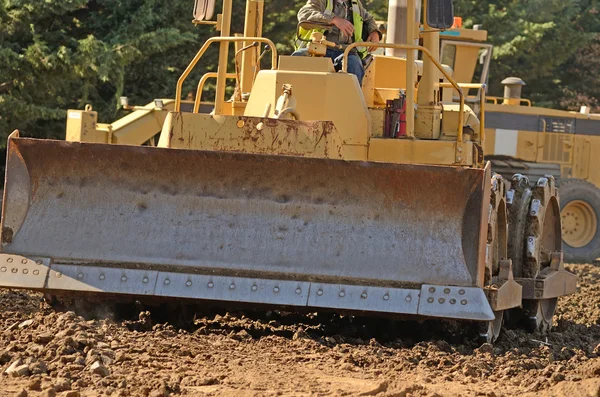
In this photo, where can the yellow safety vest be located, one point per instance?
(357, 21)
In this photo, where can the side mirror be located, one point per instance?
(204, 10)
(440, 14)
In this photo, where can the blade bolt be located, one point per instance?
(9, 260)
(58, 275)
(24, 261)
(14, 270)
(276, 290)
(461, 291)
(363, 295)
(39, 262)
(320, 292)
(188, 283)
(452, 301)
(463, 302)
(232, 286)
(430, 300)
(342, 294)
(3, 269)
(124, 278)
(167, 281)
(408, 298)
(446, 290)
(145, 280)
(102, 277)
(25, 271)
(298, 291)
(386, 297)
(431, 290)
(80, 276)
(36, 272)
(254, 288)
(210, 285)
(441, 300)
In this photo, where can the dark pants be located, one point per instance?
(355, 65)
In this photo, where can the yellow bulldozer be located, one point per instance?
(303, 190)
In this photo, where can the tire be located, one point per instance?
(580, 202)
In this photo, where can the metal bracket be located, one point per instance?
(505, 292)
(19, 272)
(552, 282)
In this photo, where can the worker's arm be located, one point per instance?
(314, 11)
(374, 35)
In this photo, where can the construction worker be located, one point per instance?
(350, 23)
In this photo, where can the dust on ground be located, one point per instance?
(48, 352)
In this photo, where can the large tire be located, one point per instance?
(580, 213)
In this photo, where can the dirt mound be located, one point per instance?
(47, 352)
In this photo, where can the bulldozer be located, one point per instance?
(302, 191)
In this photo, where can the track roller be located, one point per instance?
(534, 234)
(496, 250)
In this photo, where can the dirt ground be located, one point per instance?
(47, 352)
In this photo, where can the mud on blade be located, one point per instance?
(77, 206)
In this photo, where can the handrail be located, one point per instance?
(495, 99)
(482, 101)
(207, 43)
(206, 76)
(425, 51)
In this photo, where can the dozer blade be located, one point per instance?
(245, 228)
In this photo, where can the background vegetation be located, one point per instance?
(59, 54)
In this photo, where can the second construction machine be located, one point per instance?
(305, 190)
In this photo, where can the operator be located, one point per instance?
(350, 23)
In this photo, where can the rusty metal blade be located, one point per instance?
(243, 214)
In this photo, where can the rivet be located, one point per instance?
(58, 275)
(539, 284)
(430, 300)
(441, 300)
(459, 158)
(461, 291)
(188, 283)
(240, 123)
(3, 269)
(210, 285)
(25, 271)
(342, 294)
(452, 301)
(320, 292)
(408, 298)
(446, 290)
(431, 290)
(276, 289)
(232, 286)
(386, 297)
(254, 288)
(102, 277)
(24, 261)
(145, 280)
(363, 295)
(80, 276)
(124, 278)
(167, 281)
(36, 272)
(9, 260)
(298, 291)
(463, 302)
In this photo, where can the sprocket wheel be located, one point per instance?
(535, 232)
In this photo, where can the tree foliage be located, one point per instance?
(60, 54)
